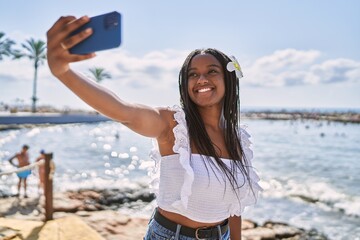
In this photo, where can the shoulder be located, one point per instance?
(172, 109)
(165, 111)
(166, 114)
(169, 113)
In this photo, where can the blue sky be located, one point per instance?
(293, 53)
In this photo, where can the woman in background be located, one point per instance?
(41, 171)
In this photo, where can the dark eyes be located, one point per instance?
(192, 75)
(210, 72)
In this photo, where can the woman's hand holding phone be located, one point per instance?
(73, 40)
(59, 42)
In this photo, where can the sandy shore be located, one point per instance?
(104, 217)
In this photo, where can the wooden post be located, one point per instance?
(48, 188)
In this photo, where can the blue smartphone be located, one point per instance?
(106, 34)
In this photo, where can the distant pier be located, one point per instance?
(17, 120)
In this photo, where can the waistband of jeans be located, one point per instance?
(197, 233)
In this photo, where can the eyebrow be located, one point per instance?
(211, 65)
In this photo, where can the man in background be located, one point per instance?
(22, 161)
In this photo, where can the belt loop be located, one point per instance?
(219, 231)
(178, 227)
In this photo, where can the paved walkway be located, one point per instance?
(67, 228)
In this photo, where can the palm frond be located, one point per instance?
(5, 46)
(99, 74)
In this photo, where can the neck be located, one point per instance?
(211, 116)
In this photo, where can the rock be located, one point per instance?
(19, 206)
(83, 214)
(247, 224)
(259, 233)
(67, 205)
(313, 234)
(113, 225)
(282, 230)
(84, 195)
(91, 207)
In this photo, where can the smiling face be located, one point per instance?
(206, 85)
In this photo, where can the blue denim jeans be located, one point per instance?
(157, 232)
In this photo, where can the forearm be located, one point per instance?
(95, 95)
(142, 119)
(11, 161)
(235, 227)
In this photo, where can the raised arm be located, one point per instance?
(142, 119)
(11, 160)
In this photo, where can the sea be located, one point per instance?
(310, 170)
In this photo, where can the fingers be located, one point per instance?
(59, 24)
(72, 41)
(62, 28)
(55, 33)
(59, 41)
(78, 58)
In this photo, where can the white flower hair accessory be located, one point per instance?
(233, 65)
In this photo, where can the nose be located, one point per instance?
(202, 79)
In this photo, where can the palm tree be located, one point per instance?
(36, 51)
(5, 46)
(99, 74)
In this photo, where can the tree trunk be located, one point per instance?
(34, 98)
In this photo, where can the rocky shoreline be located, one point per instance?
(344, 117)
(99, 209)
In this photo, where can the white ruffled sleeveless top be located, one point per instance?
(189, 185)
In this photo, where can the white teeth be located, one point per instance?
(204, 90)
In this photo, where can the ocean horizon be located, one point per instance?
(243, 108)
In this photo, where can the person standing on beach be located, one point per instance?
(23, 161)
(203, 178)
(41, 170)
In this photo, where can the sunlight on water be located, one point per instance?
(309, 170)
(309, 173)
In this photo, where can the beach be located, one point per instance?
(308, 170)
(111, 224)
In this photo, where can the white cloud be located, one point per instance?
(155, 69)
(288, 67)
(18, 70)
(286, 59)
(153, 78)
(337, 70)
(160, 69)
(291, 67)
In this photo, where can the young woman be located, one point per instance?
(204, 177)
